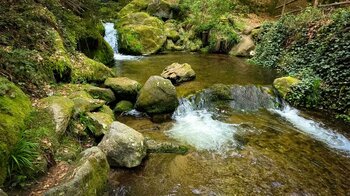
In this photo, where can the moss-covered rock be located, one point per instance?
(134, 6)
(99, 122)
(163, 9)
(140, 34)
(83, 103)
(171, 30)
(284, 85)
(15, 107)
(124, 88)
(61, 109)
(157, 96)
(87, 70)
(165, 147)
(101, 93)
(123, 106)
(178, 73)
(123, 146)
(89, 177)
(107, 110)
(68, 149)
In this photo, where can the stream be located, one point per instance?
(242, 147)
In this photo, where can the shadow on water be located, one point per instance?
(246, 150)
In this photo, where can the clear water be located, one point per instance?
(262, 152)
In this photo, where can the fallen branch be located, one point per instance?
(334, 4)
(289, 2)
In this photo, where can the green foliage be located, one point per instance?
(316, 47)
(222, 33)
(22, 161)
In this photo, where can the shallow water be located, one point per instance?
(262, 152)
(210, 69)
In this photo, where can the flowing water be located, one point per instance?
(244, 145)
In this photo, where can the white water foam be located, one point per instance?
(314, 129)
(111, 37)
(197, 127)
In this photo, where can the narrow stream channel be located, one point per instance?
(247, 147)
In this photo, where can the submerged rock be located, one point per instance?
(15, 107)
(178, 73)
(157, 96)
(140, 34)
(88, 178)
(124, 88)
(123, 146)
(244, 47)
(124, 106)
(285, 84)
(165, 147)
(61, 109)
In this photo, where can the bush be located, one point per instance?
(316, 48)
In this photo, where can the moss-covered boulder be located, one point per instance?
(140, 34)
(101, 93)
(99, 122)
(107, 110)
(87, 70)
(15, 107)
(171, 30)
(133, 7)
(123, 146)
(123, 106)
(178, 73)
(61, 109)
(165, 147)
(163, 9)
(285, 84)
(124, 88)
(89, 177)
(83, 103)
(157, 96)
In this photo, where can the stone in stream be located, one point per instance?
(61, 109)
(178, 73)
(124, 88)
(88, 178)
(158, 96)
(123, 146)
(285, 84)
(124, 106)
(15, 108)
(165, 147)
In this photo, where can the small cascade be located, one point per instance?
(313, 129)
(197, 127)
(111, 37)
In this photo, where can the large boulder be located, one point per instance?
(284, 85)
(178, 73)
(163, 9)
(133, 7)
(61, 109)
(124, 88)
(88, 178)
(157, 96)
(15, 107)
(140, 34)
(244, 47)
(123, 146)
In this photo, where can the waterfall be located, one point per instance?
(313, 129)
(111, 37)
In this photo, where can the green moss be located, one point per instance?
(284, 85)
(123, 106)
(15, 107)
(134, 6)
